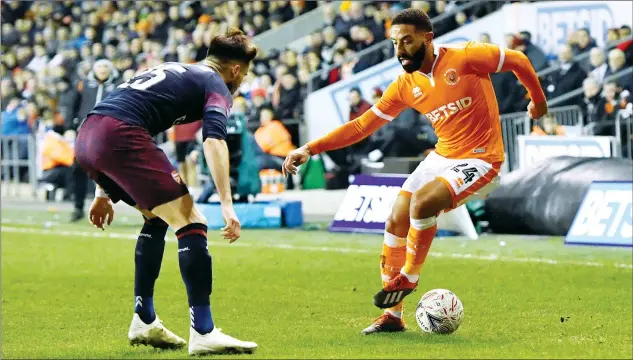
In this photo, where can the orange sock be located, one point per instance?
(419, 239)
(392, 259)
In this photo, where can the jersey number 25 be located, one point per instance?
(151, 77)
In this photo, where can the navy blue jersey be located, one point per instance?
(172, 94)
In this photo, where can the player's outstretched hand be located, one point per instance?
(537, 111)
(232, 228)
(294, 159)
(101, 212)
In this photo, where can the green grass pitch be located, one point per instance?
(67, 292)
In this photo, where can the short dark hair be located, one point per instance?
(232, 45)
(415, 17)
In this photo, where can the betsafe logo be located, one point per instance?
(367, 203)
(605, 216)
(556, 23)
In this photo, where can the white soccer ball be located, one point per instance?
(439, 311)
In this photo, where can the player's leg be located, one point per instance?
(150, 179)
(196, 270)
(394, 247)
(96, 152)
(392, 259)
(146, 328)
(398, 286)
(453, 186)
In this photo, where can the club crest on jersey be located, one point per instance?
(417, 92)
(450, 76)
(176, 177)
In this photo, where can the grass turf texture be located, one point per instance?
(67, 292)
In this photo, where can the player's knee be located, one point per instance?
(398, 222)
(155, 222)
(424, 205)
(196, 217)
(430, 200)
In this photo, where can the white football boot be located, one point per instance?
(154, 334)
(216, 342)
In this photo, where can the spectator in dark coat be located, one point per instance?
(582, 41)
(363, 39)
(99, 83)
(594, 105)
(568, 78)
(289, 97)
(617, 61)
(534, 53)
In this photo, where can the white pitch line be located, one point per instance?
(467, 256)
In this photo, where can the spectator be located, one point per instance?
(594, 104)
(409, 134)
(329, 44)
(57, 157)
(287, 98)
(613, 102)
(617, 61)
(274, 139)
(358, 105)
(624, 31)
(259, 101)
(582, 41)
(547, 125)
(536, 56)
(598, 65)
(14, 119)
(14, 122)
(445, 26)
(100, 82)
(568, 78)
(613, 35)
(184, 139)
(363, 39)
(627, 48)
(315, 43)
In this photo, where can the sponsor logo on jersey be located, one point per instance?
(445, 111)
(451, 77)
(605, 216)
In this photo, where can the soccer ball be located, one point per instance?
(439, 311)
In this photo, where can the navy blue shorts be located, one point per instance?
(126, 162)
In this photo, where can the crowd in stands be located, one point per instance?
(579, 64)
(60, 58)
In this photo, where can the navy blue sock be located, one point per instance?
(195, 268)
(147, 259)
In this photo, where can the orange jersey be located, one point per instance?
(457, 97)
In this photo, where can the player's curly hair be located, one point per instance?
(232, 45)
(415, 17)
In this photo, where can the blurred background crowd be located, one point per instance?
(61, 57)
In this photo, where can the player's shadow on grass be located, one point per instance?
(407, 337)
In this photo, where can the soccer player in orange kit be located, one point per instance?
(450, 85)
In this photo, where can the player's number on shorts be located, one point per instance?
(143, 82)
(469, 174)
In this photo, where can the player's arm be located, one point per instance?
(389, 106)
(490, 58)
(216, 151)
